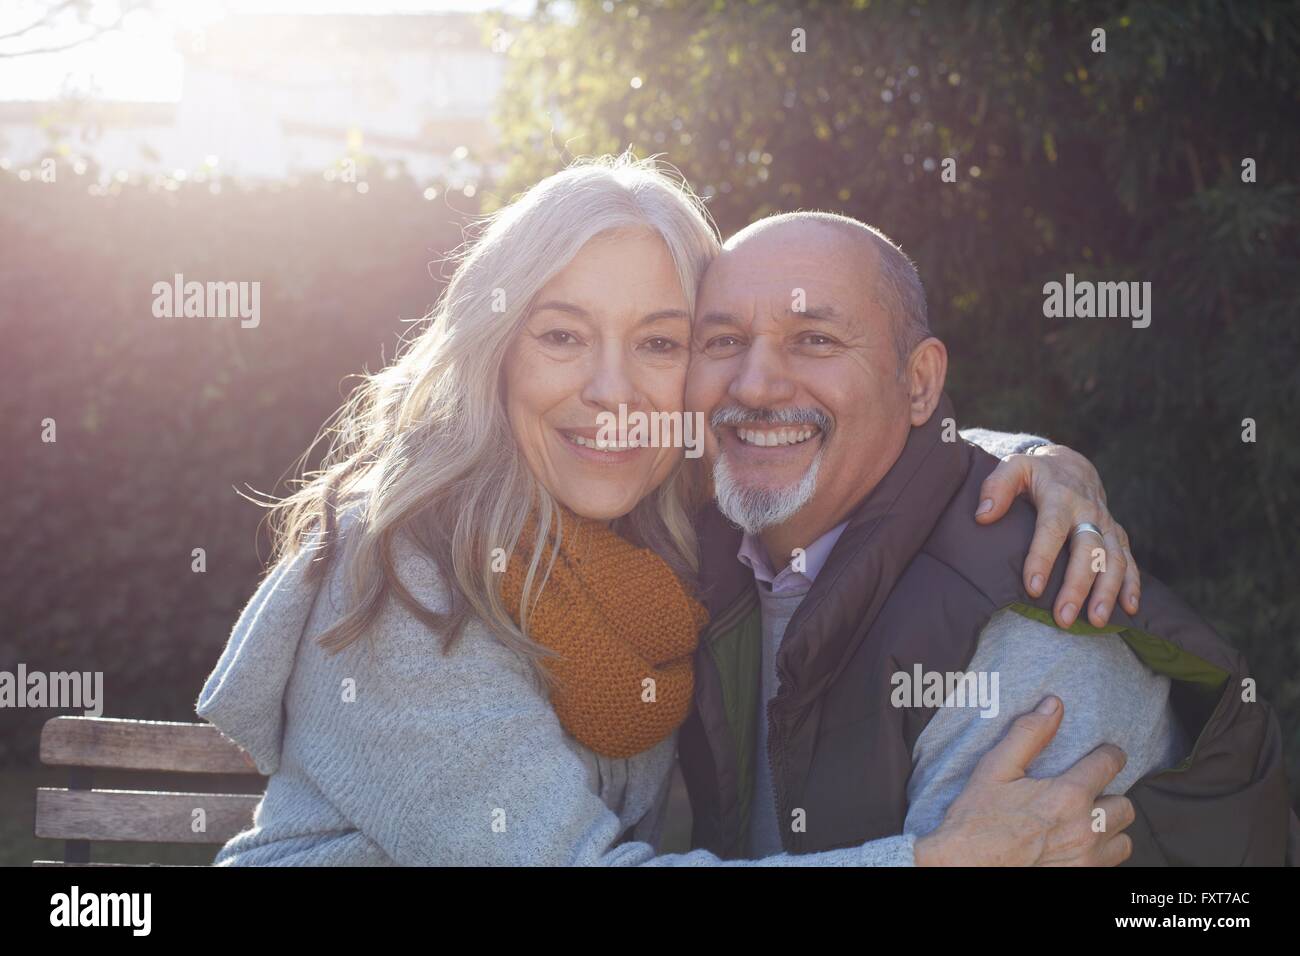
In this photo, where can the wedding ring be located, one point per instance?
(1086, 526)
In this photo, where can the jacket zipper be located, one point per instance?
(776, 755)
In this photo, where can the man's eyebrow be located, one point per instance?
(818, 313)
(717, 318)
(821, 313)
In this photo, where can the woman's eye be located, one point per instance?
(559, 337)
(662, 345)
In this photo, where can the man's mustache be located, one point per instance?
(738, 415)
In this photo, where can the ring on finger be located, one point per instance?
(1087, 527)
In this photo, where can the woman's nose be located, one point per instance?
(611, 384)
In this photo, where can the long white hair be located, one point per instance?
(424, 446)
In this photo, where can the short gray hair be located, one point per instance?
(899, 292)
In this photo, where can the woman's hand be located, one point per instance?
(1066, 490)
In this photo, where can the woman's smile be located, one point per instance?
(588, 445)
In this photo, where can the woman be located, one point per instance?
(476, 644)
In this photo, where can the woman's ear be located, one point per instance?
(927, 369)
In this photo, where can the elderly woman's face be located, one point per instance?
(612, 329)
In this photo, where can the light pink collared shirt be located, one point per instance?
(753, 555)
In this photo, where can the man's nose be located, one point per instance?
(762, 381)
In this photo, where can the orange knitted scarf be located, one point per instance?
(623, 630)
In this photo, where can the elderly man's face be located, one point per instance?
(793, 363)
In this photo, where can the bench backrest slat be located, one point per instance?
(81, 816)
(141, 745)
(48, 863)
(141, 816)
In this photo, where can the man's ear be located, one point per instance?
(927, 368)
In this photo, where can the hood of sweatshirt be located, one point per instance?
(244, 694)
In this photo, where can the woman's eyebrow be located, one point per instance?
(555, 305)
(664, 314)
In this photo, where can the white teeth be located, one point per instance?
(601, 445)
(784, 436)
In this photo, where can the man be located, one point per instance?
(826, 711)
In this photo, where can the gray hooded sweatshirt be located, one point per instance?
(394, 753)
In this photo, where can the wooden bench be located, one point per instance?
(80, 814)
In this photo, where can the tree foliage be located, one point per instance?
(1122, 165)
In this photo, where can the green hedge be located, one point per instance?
(160, 420)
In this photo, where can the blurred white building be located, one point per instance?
(266, 96)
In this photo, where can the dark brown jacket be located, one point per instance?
(913, 580)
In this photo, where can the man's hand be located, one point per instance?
(1066, 490)
(1004, 818)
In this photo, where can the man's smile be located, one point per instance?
(770, 445)
(772, 437)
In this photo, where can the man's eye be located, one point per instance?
(814, 338)
(722, 342)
